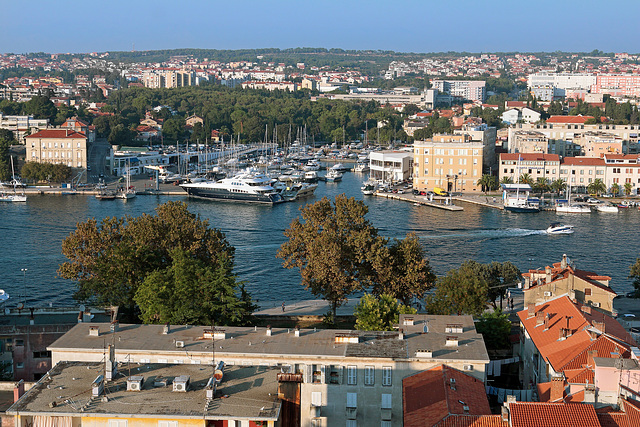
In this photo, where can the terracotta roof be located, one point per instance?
(57, 133)
(515, 104)
(529, 414)
(431, 396)
(571, 352)
(473, 421)
(579, 376)
(583, 161)
(569, 119)
(613, 419)
(530, 157)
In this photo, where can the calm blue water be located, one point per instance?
(32, 233)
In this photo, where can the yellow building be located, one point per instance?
(451, 162)
(63, 146)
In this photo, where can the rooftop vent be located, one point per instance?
(179, 344)
(296, 332)
(451, 341)
(94, 331)
(161, 381)
(408, 321)
(97, 386)
(166, 329)
(424, 353)
(216, 334)
(115, 326)
(134, 383)
(181, 383)
(347, 338)
(453, 329)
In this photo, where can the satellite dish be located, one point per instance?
(82, 307)
(217, 375)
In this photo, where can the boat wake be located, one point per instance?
(489, 234)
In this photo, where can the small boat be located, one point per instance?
(312, 165)
(558, 228)
(608, 208)
(339, 167)
(369, 188)
(15, 197)
(361, 167)
(571, 208)
(333, 176)
(311, 177)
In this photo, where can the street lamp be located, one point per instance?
(24, 278)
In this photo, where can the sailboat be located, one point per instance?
(568, 207)
(15, 197)
(129, 192)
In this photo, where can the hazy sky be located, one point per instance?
(60, 26)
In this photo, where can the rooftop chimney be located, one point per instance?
(540, 318)
(531, 310)
(504, 414)
(563, 264)
(547, 270)
(401, 334)
(586, 309)
(268, 330)
(94, 331)
(590, 355)
(451, 341)
(18, 390)
(296, 332)
(557, 388)
(115, 326)
(599, 325)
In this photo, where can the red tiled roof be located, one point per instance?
(428, 397)
(613, 419)
(528, 414)
(57, 133)
(530, 157)
(580, 120)
(579, 376)
(515, 104)
(583, 161)
(473, 421)
(571, 352)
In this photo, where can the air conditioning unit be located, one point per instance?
(547, 294)
(181, 383)
(179, 344)
(134, 383)
(352, 413)
(467, 367)
(595, 304)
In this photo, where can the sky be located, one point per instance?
(63, 26)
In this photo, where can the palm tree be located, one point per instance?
(627, 188)
(597, 187)
(541, 185)
(558, 185)
(506, 180)
(615, 189)
(525, 178)
(486, 183)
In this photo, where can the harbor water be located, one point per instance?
(32, 235)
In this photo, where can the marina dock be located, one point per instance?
(438, 202)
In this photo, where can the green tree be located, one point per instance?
(110, 259)
(525, 178)
(627, 188)
(506, 180)
(330, 247)
(41, 107)
(597, 187)
(615, 189)
(495, 328)
(559, 185)
(5, 161)
(541, 186)
(375, 313)
(635, 275)
(401, 270)
(191, 291)
(461, 291)
(120, 135)
(487, 183)
(173, 128)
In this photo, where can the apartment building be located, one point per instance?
(390, 166)
(452, 162)
(472, 90)
(22, 125)
(560, 82)
(565, 135)
(528, 141)
(64, 146)
(536, 165)
(326, 375)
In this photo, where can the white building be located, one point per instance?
(391, 166)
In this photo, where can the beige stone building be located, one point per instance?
(585, 287)
(331, 375)
(596, 144)
(536, 165)
(528, 141)
(451, 162)
(57, 146)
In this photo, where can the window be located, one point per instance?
(385, 423)
(19, 342)
(41, 354)
(386, 375)
(352, 372)
(352, 423)
(386, 401)
(369, 375)
(167, 424)
(316, 374)
(352, 400)
(587, 291)
(19, 365)
(117, 423)
(316, 398)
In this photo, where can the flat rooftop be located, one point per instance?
(134, 338)
(246, 392)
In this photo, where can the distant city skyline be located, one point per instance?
(409, 26)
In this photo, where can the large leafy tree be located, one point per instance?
(330, 247)
(559, 185)
(597, 187)
(487, 183)
(461, 291)
(191, 291)
(401, 270)
(495, 328)
(379, 313)
(110, 259)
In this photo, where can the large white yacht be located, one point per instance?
(244, 187)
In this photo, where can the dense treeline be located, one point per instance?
(248, 112)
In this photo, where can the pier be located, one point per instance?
(421, 200)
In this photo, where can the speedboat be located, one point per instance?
(333, 176)
(369, 188)
(339, 167)
(558, 228)
(607, 208)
